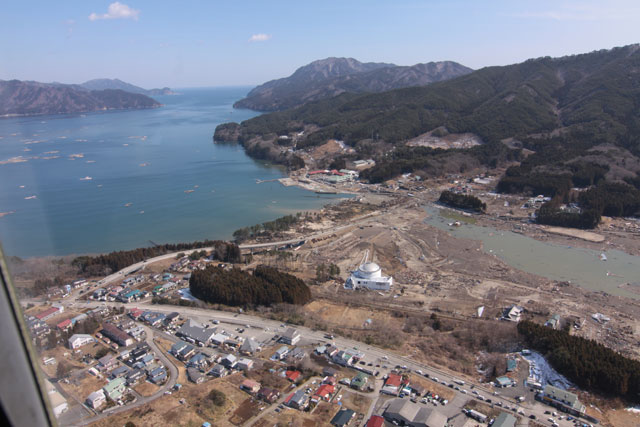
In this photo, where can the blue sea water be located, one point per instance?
(143, 165)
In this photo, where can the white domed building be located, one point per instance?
(369, 275)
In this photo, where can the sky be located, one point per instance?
(155, 43)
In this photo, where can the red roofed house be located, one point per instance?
(324, 392)
(375, 421)
(135, 313)
(292, 376)
(48, 313)
(392, 384)
(64, 325)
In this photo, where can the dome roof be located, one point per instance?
(369, 267)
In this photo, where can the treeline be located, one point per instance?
(462, 201)
(588, 364)
(607, 198)
(279, 224)
(266, 286)
(105, 264)
(435, 161)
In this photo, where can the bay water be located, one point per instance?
(116, 180)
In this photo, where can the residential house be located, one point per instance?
(134, 376)
(250, 386)
(292, 376)
(328, 371)
(553, 322)
(120, 371)
(324, 392)
(343, 417)
(297, 353)
(504, 420)
(96, 399)
(291, 337)
(65, 325)
(116, 334)
(268, 394)
(280, 353)
(218, 371)
(229, 361)
(48, 313)
(107, 362)
(115, 388)
(195, 375)
(513, 313)
(245, 364)
(330, 380)
(375, 421)
(158, 375)
(56, 399)
(172, 318)
(359, 381)
(392, 384)
(198, 361)
(297, 400)
(79, 340)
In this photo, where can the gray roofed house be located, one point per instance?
(411, 414)
(196, 331)
(343, 417)
(120, 372)
(229, 361)
(291, 336)
(504, 420)
(195, 375)
(218, 371)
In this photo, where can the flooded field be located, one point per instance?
(611, 271)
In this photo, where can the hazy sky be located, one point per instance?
(185, 43)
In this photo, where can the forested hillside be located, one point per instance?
(235, 287)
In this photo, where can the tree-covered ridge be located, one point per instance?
(235, 287)
(279, 224)
(586, 363)
(117, 260)
(462, 201)
(595, 92)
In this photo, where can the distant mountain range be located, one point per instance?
(102, 84)
(330, 77)
(22, 98)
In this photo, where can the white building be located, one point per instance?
(96, 399)
(369, 275)
(58, 402)
(78, 340)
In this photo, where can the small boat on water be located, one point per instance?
(30, 197)
(603, 257)
(126, 205)
(86, 178)
(189, 191)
